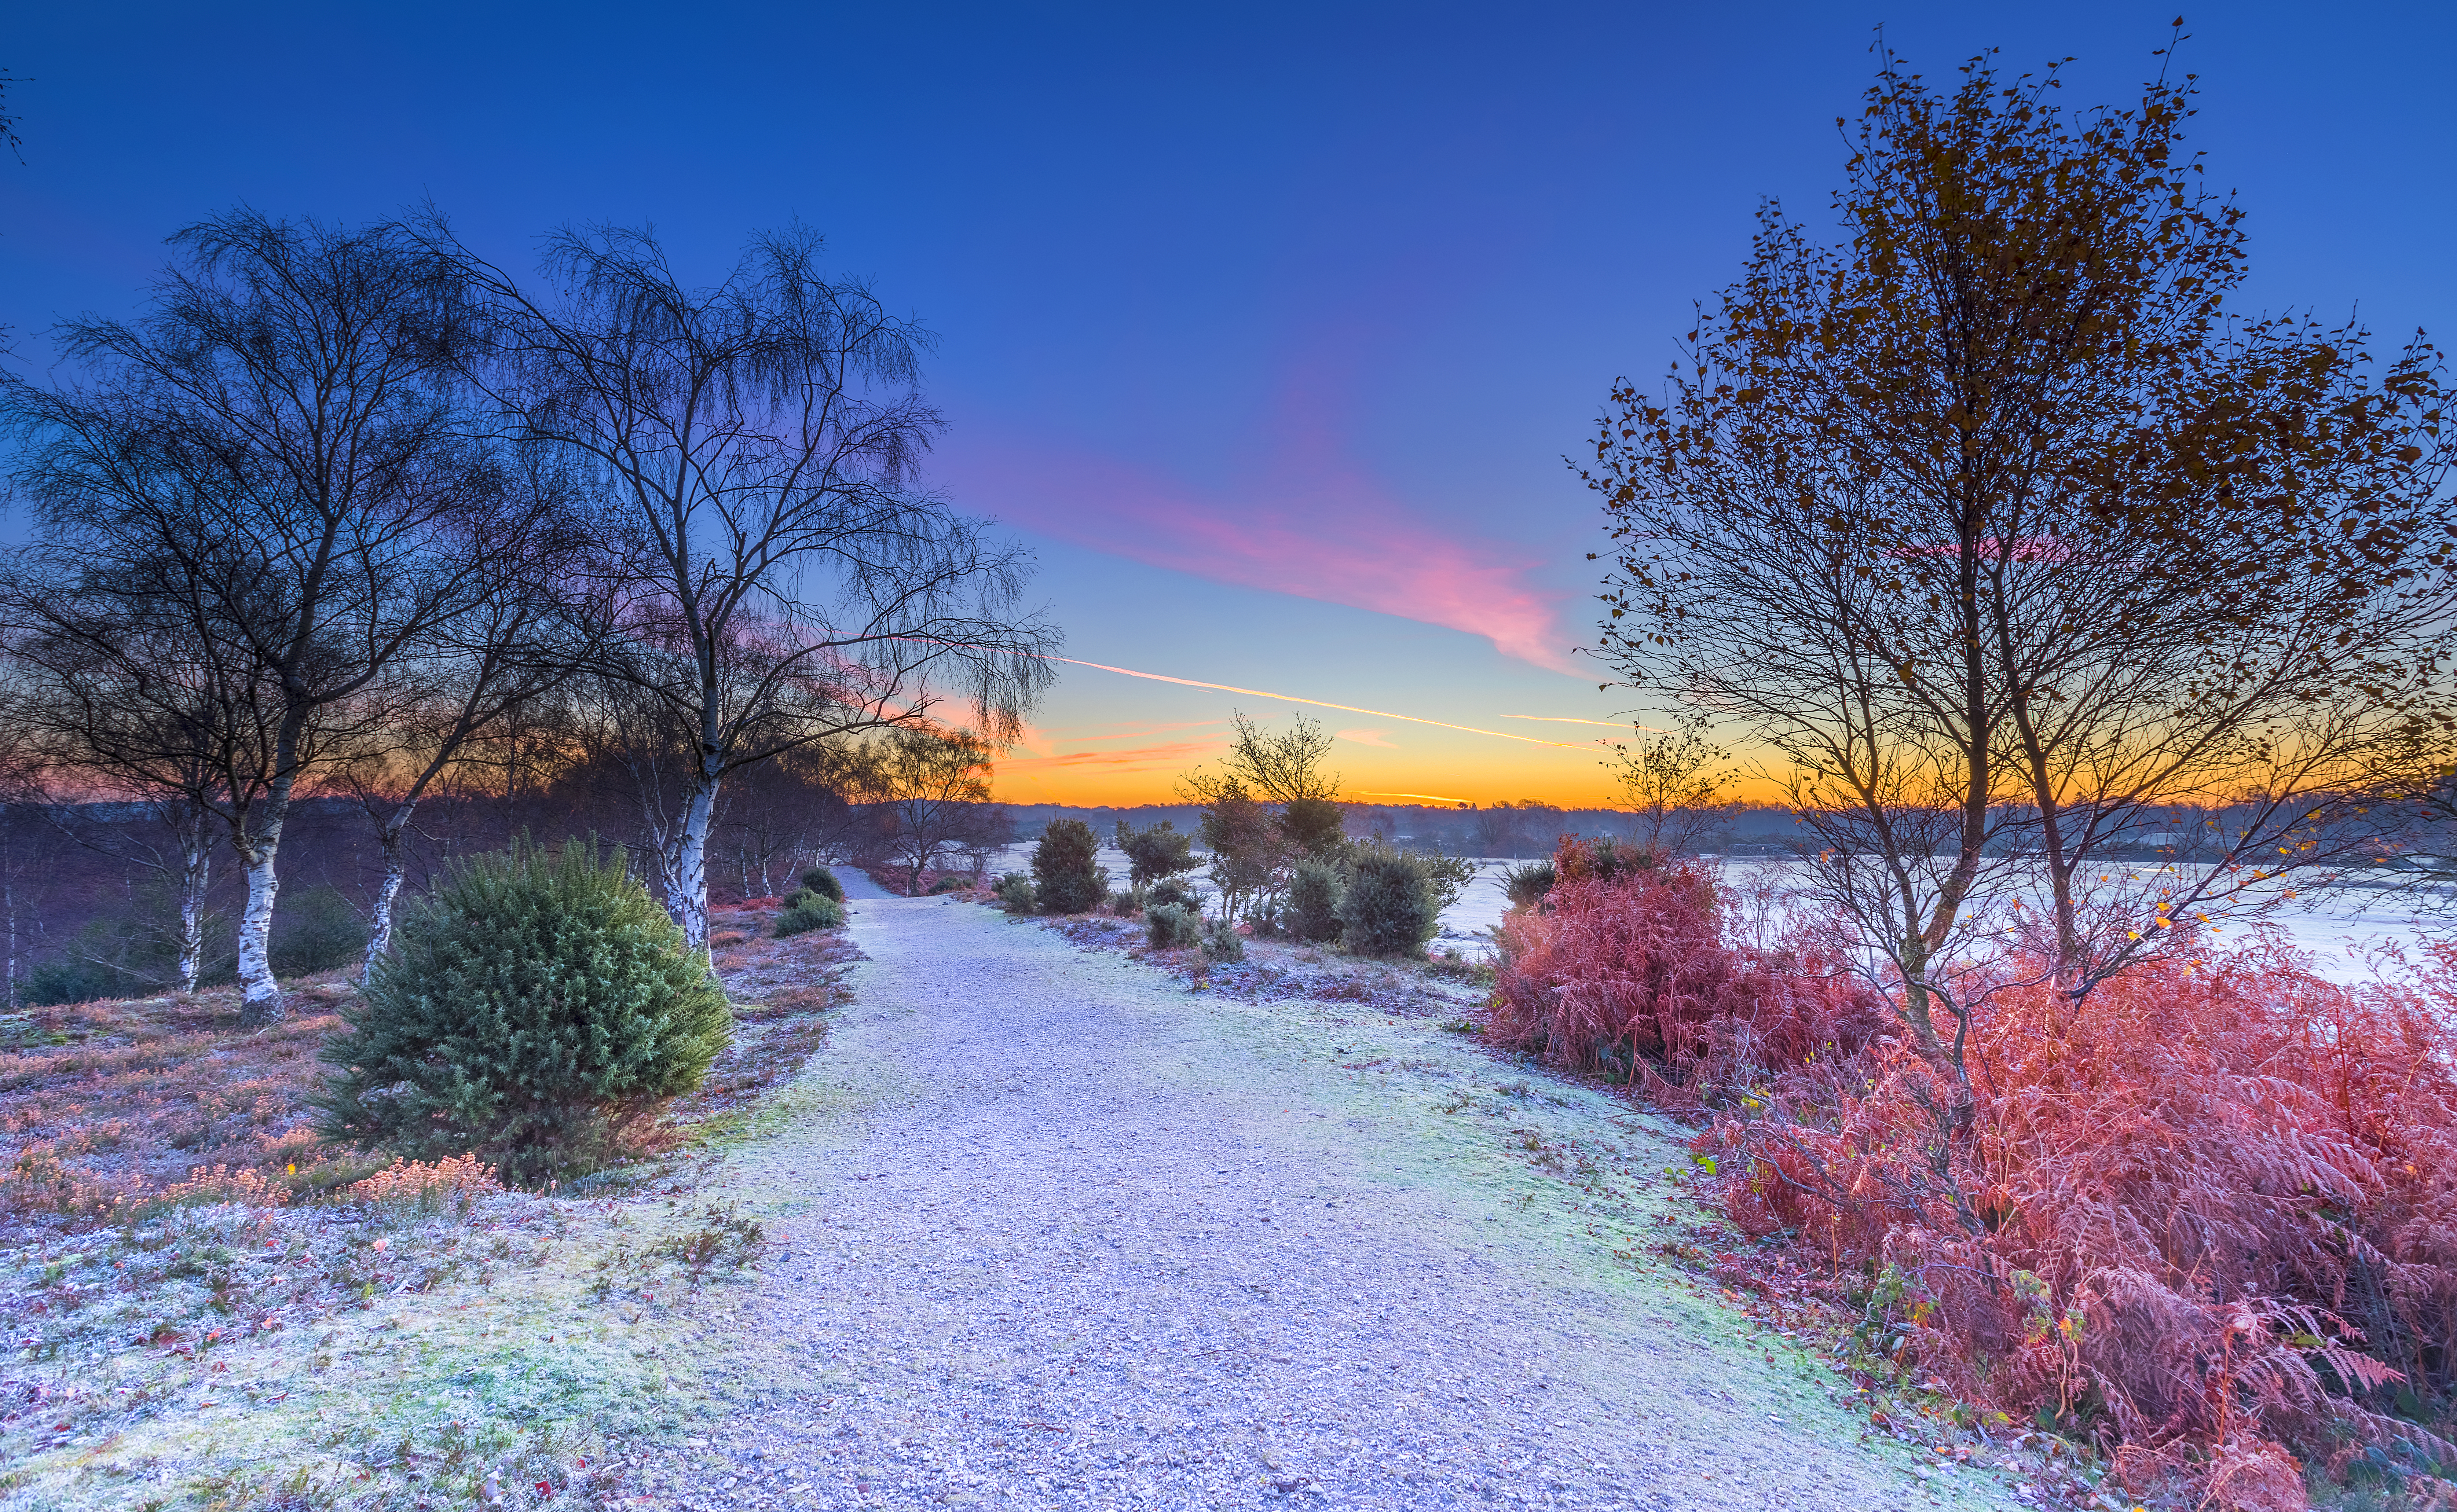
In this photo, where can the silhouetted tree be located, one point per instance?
(782, 581)
(272, 463)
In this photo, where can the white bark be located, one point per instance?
(195, 870)
(259, 994)
(379, 935)
(688, 872)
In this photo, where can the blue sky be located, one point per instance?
(1269, 326)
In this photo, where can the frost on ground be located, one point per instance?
(1052, 1230)
(256, 1336)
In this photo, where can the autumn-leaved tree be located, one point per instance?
(2000, 529)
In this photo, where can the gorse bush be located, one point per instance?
(1175, 891)
(1221, 942)
(822, 880)
(1389, 907)
(1169, 927)
(1016, 894)
(1314, 902)
(1528, 884)
(536, 1006)
(1157, 851)
(806, 910)
(1065, 878)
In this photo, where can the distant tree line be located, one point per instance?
(352, 512)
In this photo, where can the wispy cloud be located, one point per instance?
(1138, 758)
(1336, 536)
(1369, 736)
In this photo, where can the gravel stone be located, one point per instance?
(1048, 1230)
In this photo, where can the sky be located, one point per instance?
(1268, 328)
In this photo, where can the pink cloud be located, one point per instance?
(1368, 737)
(1134, 759)
(1334, 535)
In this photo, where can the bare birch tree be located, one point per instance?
(784, 581)
(274, 453)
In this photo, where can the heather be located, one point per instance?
(2203, 1216)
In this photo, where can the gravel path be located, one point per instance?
(1051, 1231)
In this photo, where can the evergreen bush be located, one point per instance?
(1314, 902)
(1064, 876)
(1169, 927)
(535, 1007)
(822, 880)
(807, 911)
(1175, 891)
(1390, 907)
(1016, 894)
(1160, 851)
(1528, 884)
(1221, 942)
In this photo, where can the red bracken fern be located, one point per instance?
(2204, 1214)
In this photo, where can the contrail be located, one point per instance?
(1349, 708)
(1429, 797)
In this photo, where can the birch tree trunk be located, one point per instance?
(689, 868)
(259, 994)
(195, 870)
(396, 866)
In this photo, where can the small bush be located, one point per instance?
(315, 931)
(946, 885)
(1527, 885)
(1126, 902)
(805, 911)
(1171, 927)
(1173, 891)
(822, 880)
(1390, 907)
(534, 1008)
(1161, 850)
(1221, 942)
(1314, 902)
(1016, 894)
(1064, 876)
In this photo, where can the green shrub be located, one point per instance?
(1314, 826)
(1221, 942)
(316, 930)
(1314, 902)
(1391, 906)
(807, 911)
(1528, 884)
(1064, 876)
(1126, 902)
(1169, 927)
(946, 885)
(1173, 891)
(1016, 894)
(1160, 851)
(822, 880)
(535, 1007)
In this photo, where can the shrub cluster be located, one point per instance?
(2205, 1216)
(1391, 906)
(1171, 926)
(1016, 894)
(535, 1007)
(808, 909)
(1221, 942)
(1171, 892)
(1314, 893)
(822, 880)
(1065, 878)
